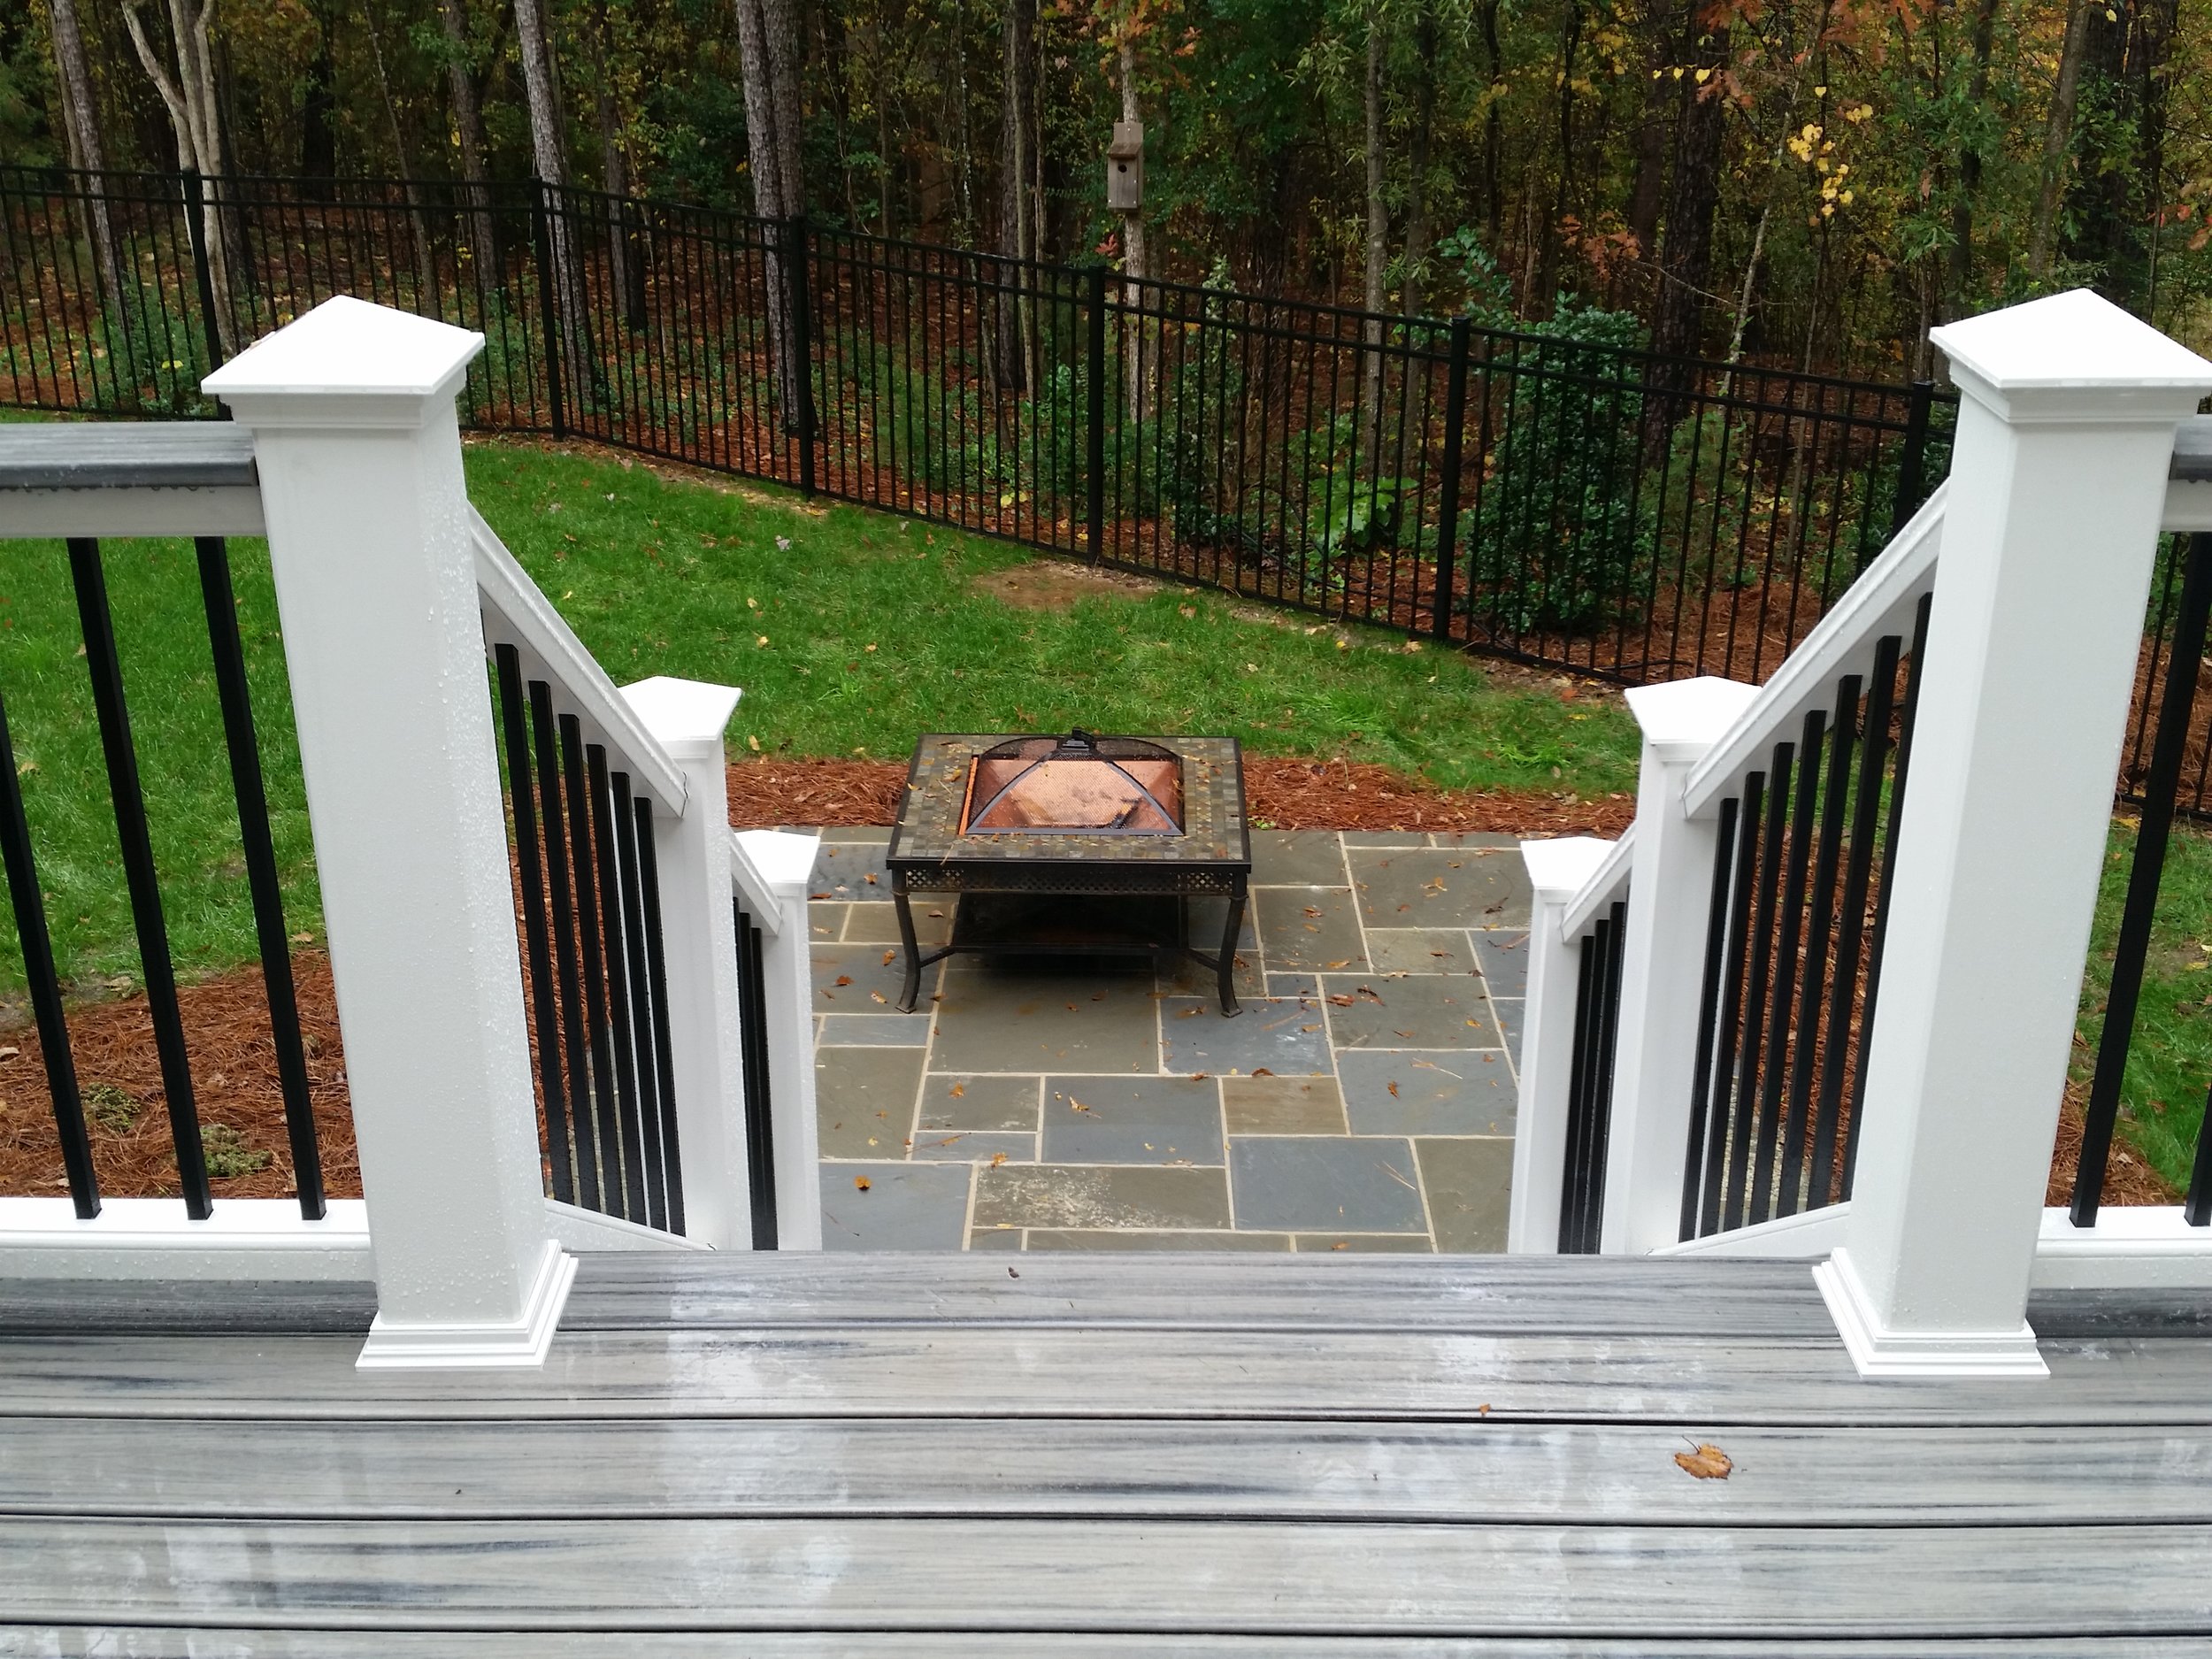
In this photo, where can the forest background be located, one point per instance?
(1803, 183)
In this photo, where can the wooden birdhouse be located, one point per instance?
(1125, 168)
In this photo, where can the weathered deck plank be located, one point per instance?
(1165, 1374)
(1074, 1469)
(1215, 1578)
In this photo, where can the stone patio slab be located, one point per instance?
(1440, 887)
(1507, 1013)
(1479, 840)
(995, 1020)
(1283, 1106)
(1282, 1035)
(951, 1101)
(1469, 1186)
(1312, 1183)
(1420, 950)
(1501, 953)
(1087, 1196)
(863, 1100)
(1132, 1120)
(1361, 1243)
(1300, 858)
(1312, 928)
(876, 922)
(842, 869)
(1413, 1013)
(975, 1146)
(896, 1031)
(872, 978)
(1436, 1092)
(1068, 1238)
(906, 1206)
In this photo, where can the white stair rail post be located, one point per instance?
(359, 453)
(1557, 870)
(689, 718)
(2058, 479)
(774, 868)
(1662, 961)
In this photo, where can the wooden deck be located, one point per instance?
(1098, 1458)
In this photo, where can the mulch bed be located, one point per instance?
(1282, 794)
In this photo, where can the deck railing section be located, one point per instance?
(1599, 921)
(52, 480)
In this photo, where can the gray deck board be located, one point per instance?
(1118, 1459)
(1217, 1577)
(97, 454)
(1076, 1469)
(1158, 1374)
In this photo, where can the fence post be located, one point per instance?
(698, 943)
(1094, 414)
(2058, 483)
(799, 349)
(1557, 870)
(1447, 496)
(203, 273)
(359, 443)
(1662, 961)
(549, 304)
(1912, 466)
(774, 868)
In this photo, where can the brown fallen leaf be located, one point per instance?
(1339, 1245)
(1393, 1090)
(878, 996)
(959, 1089)
(1341, 999)
(997, 1158)
(1707, 1463)
(1341, 962)
(844, 978)
(1261, 1071)
(863, 1182)
(1309, 1028)
(874, 882)
(1311, 910)
(1076, 1106)
(1190, 1013)
(888, 955)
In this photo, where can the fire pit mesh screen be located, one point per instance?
(1075, 785)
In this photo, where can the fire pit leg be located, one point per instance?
(913, 948)
(1225, 964)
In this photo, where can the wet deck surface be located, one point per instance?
(1383, 1456)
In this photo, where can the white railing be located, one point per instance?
(391, 592)
(2038, 553)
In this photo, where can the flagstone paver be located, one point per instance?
(1363, 1099)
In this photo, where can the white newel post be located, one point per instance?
(1557, 870)
(1662, 961)
(352, 411)
(2057, 482)
(699, 943)
(775, 866)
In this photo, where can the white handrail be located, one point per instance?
(1880, 603)
(517, 613)
(1606, 884)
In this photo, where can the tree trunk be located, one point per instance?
(468, 127)
(548, 159)
(1424, 44)
(626, 271)
(1662, 109)
(1016, 223)
(768, 42)
(427, 301)
(1563, 179)
(81, 115)
(318, 138)
(1693, 193)
(1134, 374)
(189, 96)
(2058, 133)
(1984, 40)
(1492, 133)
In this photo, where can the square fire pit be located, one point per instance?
(1076, 846)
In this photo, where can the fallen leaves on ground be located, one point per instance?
(1708, 1462)
(863, 1182)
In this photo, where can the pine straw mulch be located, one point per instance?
(1283, 794)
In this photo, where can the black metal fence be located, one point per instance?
(1557, 496)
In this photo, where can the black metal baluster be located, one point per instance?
(528, 858)
(607, 1129)
(1757, 987)
(1846, 1036)
(1574, 1178)
(1708, 1016)
(1615, 941)
(615, 956)
(38, 969)
(2176, 711)
(1889, 862)
(637, 978)
(574, 1109)
(1798, 1109)
(261, 872)
(760, 1134)
(1779, 1040)
(139, 872)
(663, 1047)
(1720, 1130)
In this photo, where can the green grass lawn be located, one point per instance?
(744, 587)
(2169, 1060)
